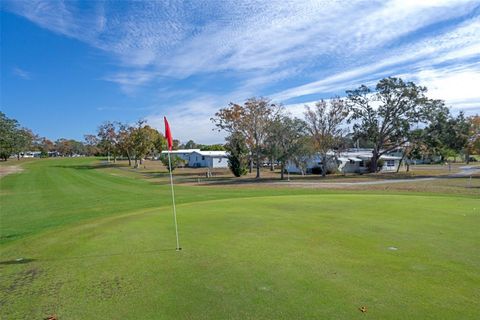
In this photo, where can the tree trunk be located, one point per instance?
(400, 162)
(136, 163)
(374, 162)
(272, 167)
(250, 169)
(323, 165)
(282, 169)
(467, 157)
(258, 165)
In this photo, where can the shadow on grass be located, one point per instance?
(90, 166)
(86, 257)
(17, 261)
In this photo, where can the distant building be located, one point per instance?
(30, 154)
(351, 161)
(195, 158)
(208, 159)
(184, 154)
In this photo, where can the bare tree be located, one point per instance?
(326, 125)
(250, 119)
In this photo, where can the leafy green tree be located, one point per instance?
(473, 144)
(108, 138)
(22, 141)
(386, 115)
(91, 144)
(211, 147)
(189, 145)
(175, 161)
(237, 154)
(124, 141)
(8, 129)
(446, 135)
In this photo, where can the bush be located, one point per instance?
(316, 170)
(237, 165)
(176, 161)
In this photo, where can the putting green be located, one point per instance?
(291, 257)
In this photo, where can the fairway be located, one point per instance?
(98, 243)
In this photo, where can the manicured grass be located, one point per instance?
(102, 246)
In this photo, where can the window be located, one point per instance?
(390, 163)
(362, 164)
(203, 157)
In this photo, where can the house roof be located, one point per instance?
(186, 151)
(212, 153)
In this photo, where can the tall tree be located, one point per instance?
(237, 153)
(190, 145)
(386, 115)
(473, 145)
(91, 144)
(250, 119)
(22, 141)
(64, 147)
(326, 125)
(124, 141)
(8, 129)
(107, 135)
(286, 140)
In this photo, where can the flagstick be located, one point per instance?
(173, 201)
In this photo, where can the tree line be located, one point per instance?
(393, 115)
(112, 139)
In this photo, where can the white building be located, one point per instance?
(352, 161)
(208, 159)
(184, 154)
(196, 158)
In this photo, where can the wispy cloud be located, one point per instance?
(291, 50)
(20, 73)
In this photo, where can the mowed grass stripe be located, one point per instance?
(55, 192)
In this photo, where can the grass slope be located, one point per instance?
(55, 192)
(296, 256)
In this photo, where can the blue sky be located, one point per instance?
(67, 66)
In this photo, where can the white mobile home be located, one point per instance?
(184, 154)
(208, 159)
(195, 158)
(352, 161)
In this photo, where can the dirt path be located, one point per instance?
(466, 171)
(6, 170)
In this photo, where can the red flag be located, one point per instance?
(168, 134)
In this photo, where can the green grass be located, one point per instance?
(102, 246)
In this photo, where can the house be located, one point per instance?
(208, 159)
(351, 161)
(184, 154)
(196, 158)
(30, 154)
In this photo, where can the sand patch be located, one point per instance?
(9, 170)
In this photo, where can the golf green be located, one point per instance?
(97, 246)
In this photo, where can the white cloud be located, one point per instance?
(20, 73)
(191, 119)
(459, 87)
(321, 46)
